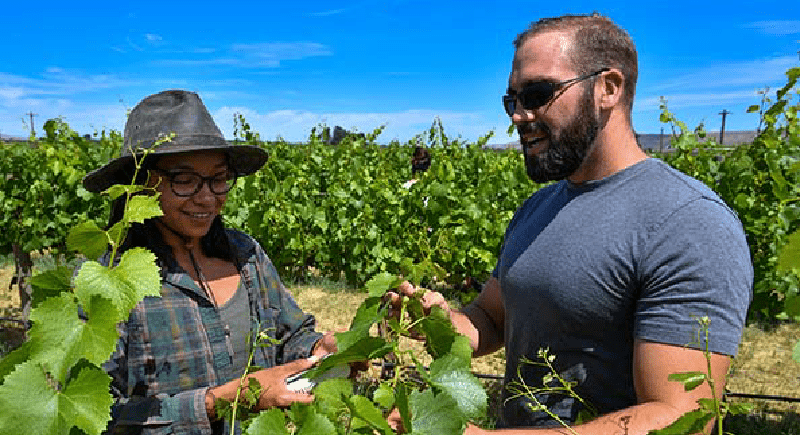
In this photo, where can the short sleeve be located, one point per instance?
(696, 263)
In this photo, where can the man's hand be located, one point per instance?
(429, 299)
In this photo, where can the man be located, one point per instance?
(611, 267)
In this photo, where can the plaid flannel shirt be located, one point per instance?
(174, 347)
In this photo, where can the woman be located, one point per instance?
(179, 352)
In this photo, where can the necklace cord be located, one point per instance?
(200, 277)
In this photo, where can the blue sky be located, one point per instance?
(288, 66)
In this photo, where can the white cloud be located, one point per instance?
(296, 125)
(699, 99)
(776, 27)
(199, 62)
(132, 45)
(257, 55)
(152, 37)
(58, 82)
(272, 53)
(328, 13)
(754, 74)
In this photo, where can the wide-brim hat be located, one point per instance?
(181, 118)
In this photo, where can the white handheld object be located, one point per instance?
(300, 384)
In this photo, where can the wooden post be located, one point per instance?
(23, 266)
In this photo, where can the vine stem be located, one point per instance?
(235, 406)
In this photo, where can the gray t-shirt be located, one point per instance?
(585, 269)
(235, 314)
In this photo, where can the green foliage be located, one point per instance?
(54, 383)
(761, 182)
(41, 194)
(344, 208)
(437, 400)
(552, 384)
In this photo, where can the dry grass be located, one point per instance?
(765, 366)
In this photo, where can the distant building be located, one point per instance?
(656, 142)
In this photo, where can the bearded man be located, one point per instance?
(610, 267)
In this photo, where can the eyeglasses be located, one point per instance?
(184, 183)
(537, 94)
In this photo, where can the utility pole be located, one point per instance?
(31, 114)
(724, 114)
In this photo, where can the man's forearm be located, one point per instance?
(473, 322)
(636, 420)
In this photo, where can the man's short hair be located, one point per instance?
(597, 43)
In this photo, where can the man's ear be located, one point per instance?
(611, 85)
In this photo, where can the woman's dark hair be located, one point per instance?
(147, 235)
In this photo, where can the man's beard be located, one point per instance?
(567, 149)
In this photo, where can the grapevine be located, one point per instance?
(53, 382)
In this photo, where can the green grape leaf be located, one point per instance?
(364, 409)
(365, 349)
(381, 283)
(141, 207)
(310, 422)
(689, 423)
(369, 312)
(17, 356)
(329, 394)
(447, 376)
(690, 380)
(51, 283)
(33, 404)
(401, 398)
(88, 239)
(269, 422)
(442, 338)
(135, 277)
(384, 396)
(433, 415)
(88, 400)
(116, 231)
(118, 190)
(61, 338)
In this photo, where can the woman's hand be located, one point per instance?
(273, 384)
(273, 387)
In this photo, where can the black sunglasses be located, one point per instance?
(185, 183)
(537, 94)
